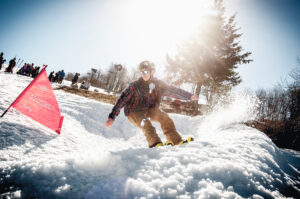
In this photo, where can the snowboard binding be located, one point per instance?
(170, 143)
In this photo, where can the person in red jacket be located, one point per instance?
(141, 100)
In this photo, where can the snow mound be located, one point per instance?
(226, 160)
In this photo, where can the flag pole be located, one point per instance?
(5, 111)
(45, 66)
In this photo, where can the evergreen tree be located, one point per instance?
(210, 56)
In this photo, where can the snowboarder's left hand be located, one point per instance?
(109, 122)
(194, 97)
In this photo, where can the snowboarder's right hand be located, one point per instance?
(109, 122)
(194, 98)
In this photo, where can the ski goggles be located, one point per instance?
(145, 72)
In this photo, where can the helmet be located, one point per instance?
(147, 65)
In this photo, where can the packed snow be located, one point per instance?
(226, 160)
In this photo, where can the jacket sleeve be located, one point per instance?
(121, 102)
(174, 92)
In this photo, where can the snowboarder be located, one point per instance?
(141, 100)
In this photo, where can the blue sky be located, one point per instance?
(77, 35)
(271, 32)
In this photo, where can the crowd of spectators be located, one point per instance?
(27, 69)
(32, 71)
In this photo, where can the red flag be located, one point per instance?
(38, 102)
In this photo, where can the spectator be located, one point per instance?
(75, 79)
(85, 85)
(12, 64)
(50, 77)
(32, 70)
(22, 70)
(29, 69)
(35, 71)
(55, 77)
(61, 75)
(2, 60)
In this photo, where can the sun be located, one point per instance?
(163, 23)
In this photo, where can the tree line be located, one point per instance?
(279, 111)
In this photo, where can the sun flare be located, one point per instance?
(164, 23)
(156, 27)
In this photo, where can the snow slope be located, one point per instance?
(226, 160)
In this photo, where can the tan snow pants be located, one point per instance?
(141, 120)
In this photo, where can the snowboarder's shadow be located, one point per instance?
(15, 134)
